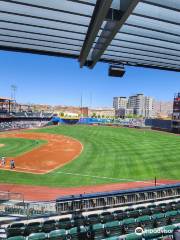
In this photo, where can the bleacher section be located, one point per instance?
(20, 114)
(157, 218)
(22, 120)
(21, 124)
(25, 114)
(112, 223)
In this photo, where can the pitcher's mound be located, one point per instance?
(2, 145)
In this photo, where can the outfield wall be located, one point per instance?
(159, 124)
(94, 121)
(88, 121)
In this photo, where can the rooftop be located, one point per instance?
(142, 33)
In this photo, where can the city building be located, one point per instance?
(6, 105)
(120, 102)
(102, 112)
(123, 112)
(149, 107)
(138, 104)
(176, 114)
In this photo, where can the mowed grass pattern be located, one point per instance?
(110, 155)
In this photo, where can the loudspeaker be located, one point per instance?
(116, 71)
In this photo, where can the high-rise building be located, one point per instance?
(137, 104)
(149, 107)
(176, 114)
(120, 102)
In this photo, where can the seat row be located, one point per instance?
(123, 226)
(84, 233)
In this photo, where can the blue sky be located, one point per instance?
(52, 80)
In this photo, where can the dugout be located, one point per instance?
(87, 202)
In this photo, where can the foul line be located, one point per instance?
(108, 178)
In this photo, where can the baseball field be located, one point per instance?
(89, 155)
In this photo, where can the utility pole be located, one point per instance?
(91, 100)
(81, 104)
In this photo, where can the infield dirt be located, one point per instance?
(58, 151)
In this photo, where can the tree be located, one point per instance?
(94, 115)
(129, 116)
(62, 114)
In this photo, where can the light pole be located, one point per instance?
(13, 95)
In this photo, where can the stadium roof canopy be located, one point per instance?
(5, 99)
(129, 32)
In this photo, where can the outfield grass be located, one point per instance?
(110, 155)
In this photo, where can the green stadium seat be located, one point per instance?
(99, 231)
(49, 226)
(178, 205)
(133, 214)
(146, 222)
(168, 230)
(166, 207)
(153, 235)
(33, 227)
(113, 229)
(65, 223)
(58, 235)
(129, 225)
(73, 233)
(93, 219)
(15, 229)
(174, 206)
(16, 238)
(173, 216)
(160, 220)
(133, 236)
(144, 211)
(79, 220)
(120, 215)
(111, 238)
(106, 217)
(155, 209)
(77, 233)
(83, 232)
(130, 209)
(37, 236)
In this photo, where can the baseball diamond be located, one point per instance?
(105, 157)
